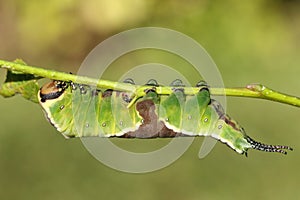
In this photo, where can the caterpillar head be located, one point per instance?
(52, 90)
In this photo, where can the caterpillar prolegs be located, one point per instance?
(78, 110)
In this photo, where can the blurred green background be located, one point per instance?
(253, 41)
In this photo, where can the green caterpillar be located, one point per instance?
(79, 110)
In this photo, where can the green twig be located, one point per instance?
(258, 91)
(253, 90)
(55, 75)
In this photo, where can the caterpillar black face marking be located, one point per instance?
(52, 90)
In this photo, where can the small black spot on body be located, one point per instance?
(74, 86)
(176, 89)
(129, 80)
(95, 92)
(202, 89)
(152, 82)
(202, 84)
(107, 93)
(177, 83)
(153, 89)
(83, 89)
(126, 97)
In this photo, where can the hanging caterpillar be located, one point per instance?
(78, 110)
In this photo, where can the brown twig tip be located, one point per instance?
(256, 87)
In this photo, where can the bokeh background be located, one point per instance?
(253, 41)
